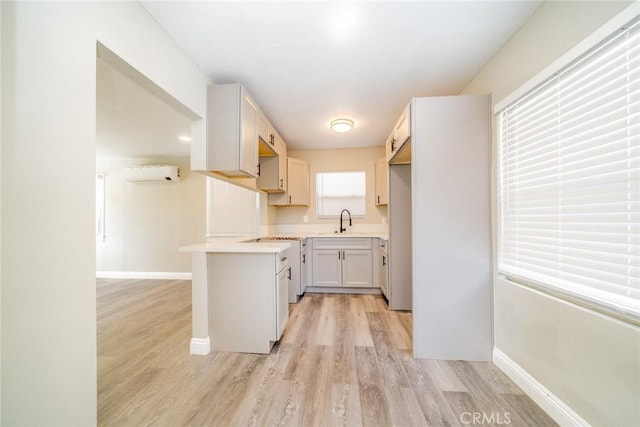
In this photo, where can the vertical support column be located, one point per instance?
(200, 342)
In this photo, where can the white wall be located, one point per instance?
(336, 161)
(589, 361)
(146, 223)
(1, 138)
(48, 169)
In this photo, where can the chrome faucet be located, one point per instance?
(341, 213)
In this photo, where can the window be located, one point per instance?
(233, 210)
(340, 190)
(569, 179)
(100, 207)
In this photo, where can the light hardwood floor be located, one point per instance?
(343, 360)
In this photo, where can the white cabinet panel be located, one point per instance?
(356, 268)
(327, 267)
(398, 145)
(382, 173)
(265, 130)
(248, 136)
(273, 165)
(295, 264)
(337, 264)
(305, 273)
(232, 134)
(297, 185)
(342, 243)
(248, 307)
(282, 301)
(383, 266)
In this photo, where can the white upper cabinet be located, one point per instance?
(273, 165)
(232, 131)
(382, 189)
(403, 127)
(273, 157)
(398, 146)
(297, 185)
(281, 149)
(265, 130)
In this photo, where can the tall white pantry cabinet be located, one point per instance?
(444, 192)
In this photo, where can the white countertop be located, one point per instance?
(238, 245)
(309, 235)
(248, 244)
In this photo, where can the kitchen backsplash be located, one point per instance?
(325, 228)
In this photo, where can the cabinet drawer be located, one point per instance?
(283, 260)
(341, 243)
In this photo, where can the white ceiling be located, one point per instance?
(303, 72)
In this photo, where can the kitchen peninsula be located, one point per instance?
(240, 286)
(239, 295)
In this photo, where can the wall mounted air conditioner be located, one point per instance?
(151, 173)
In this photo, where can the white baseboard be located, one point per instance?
(359, 291)
(549, 402)
(142, 275)
(201, 346)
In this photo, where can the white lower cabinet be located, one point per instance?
(383, 266)
(294, 258)
(248, 306)
(342, 262)
(282, 300)
(357, 268)
(327, 267)
(305, 264)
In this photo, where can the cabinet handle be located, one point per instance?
(283, 259)
(271, 139)
(339, 255)
(289, 199)
(259, 165)
(384, 260)
(289, 274)
(344, 255)
(393, 145)
(304, 258)
(281, 182)
(378, 199)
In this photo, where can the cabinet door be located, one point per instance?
(382, 192)
(281, 150)
(298, 183)
(384, 274)
(282, 301)
(327, 268)
(390, 145)
(248, 135)
(403, 126)
(357, 268)
(265, 131)
(304, 271)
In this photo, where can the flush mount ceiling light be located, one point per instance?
(342, 125)
(184, 138)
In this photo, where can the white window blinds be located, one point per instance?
(569, 179)
(340, 190)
